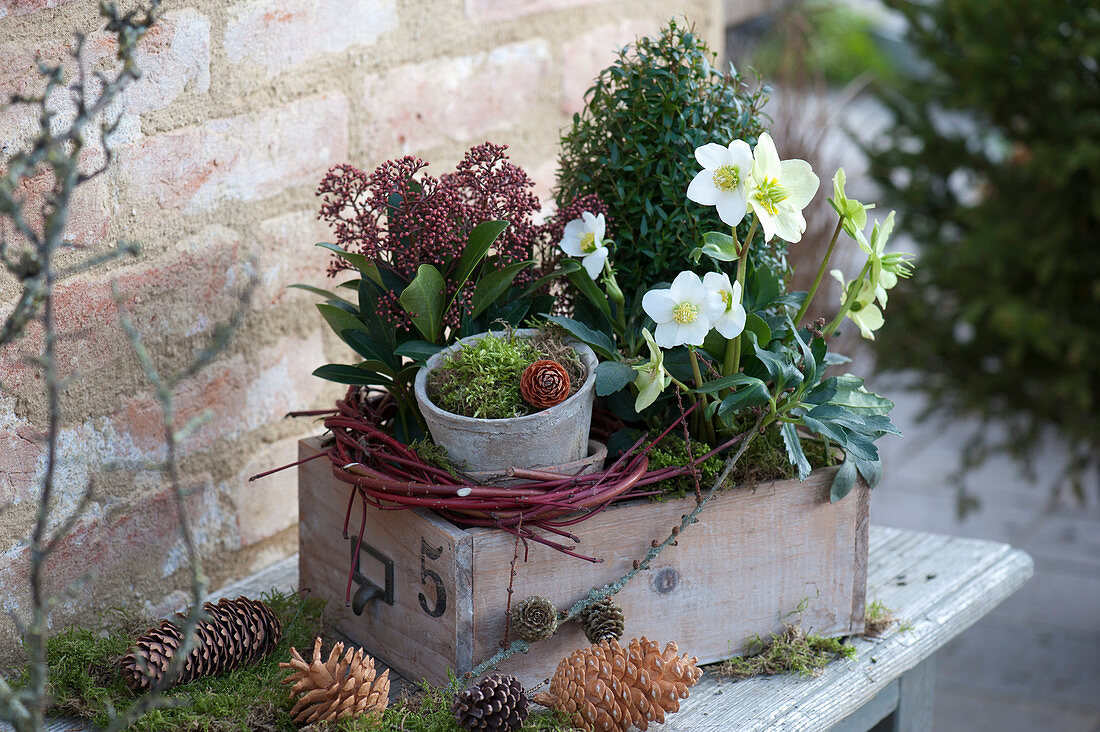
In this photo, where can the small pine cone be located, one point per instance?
(332, 689)
(496, 702)
(544, 384)
(602, 620)
(535, 619)
(238, 632)
(608, 688)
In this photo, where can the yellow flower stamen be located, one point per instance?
(685, 313)
(588, 242)
(727, 298)
(769, 194)
(727, 177)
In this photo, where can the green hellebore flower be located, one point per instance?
(863, 312)
(652, 379)
(885, 268)
(853, 214)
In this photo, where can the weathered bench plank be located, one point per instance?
(936, 585)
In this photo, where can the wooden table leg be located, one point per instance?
(915, 700)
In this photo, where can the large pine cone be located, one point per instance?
(608, 688)
(602, 620)
(239, 632)
(496, 702)
(544, 384)
(535, 619)
(336, 688)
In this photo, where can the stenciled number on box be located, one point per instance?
(426, 553)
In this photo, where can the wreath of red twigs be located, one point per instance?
(389, 475)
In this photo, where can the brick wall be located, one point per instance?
(242, 107)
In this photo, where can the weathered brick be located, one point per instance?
(244, 158)
(421, 105)
(109, 537)
(200, 279)
(544, 176)
(174, 56)
(22, 7)
(584, 57)
(20, 450)
(89, 209)
(287, 256)
(267, 506)
(241, 395)
(282, 34)
(494, 10)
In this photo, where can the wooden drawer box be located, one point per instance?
(430, 596)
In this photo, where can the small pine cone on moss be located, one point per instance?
(544, 384)
(602, 620)
(535, 619)
(496, 702)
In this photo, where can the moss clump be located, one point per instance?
(428, 709)
(766, 457)
(879, 619)
(673, 451)
(482, 379)
(789, 652)
(433, 454)
(84, 677)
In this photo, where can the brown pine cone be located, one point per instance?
(535, 619)
(602, 620)
(544, 384)
(496, 702)
(237, 633)
(608, 687)
(328, 690)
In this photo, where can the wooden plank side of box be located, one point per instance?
(754, 559)
(423, 627)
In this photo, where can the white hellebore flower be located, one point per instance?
(731, 322)
(779, 190)
(724, 180)
(684, 313)
(583, 237)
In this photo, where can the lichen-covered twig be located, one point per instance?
(30, 255)
(640, 565)
(163, 389)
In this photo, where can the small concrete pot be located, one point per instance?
(554, 436)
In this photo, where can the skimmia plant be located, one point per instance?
(725, 334)
(433, 260)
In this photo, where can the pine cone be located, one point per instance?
(336, 688)
(608, 688)
(496, 702)
(535, 619)
(239, 632)
(602, 620)
(544, 384)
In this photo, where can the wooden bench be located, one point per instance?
(936, 586)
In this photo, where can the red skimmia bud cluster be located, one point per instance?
(400, 220)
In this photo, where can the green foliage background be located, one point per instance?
(633, 145)
(994, 162)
